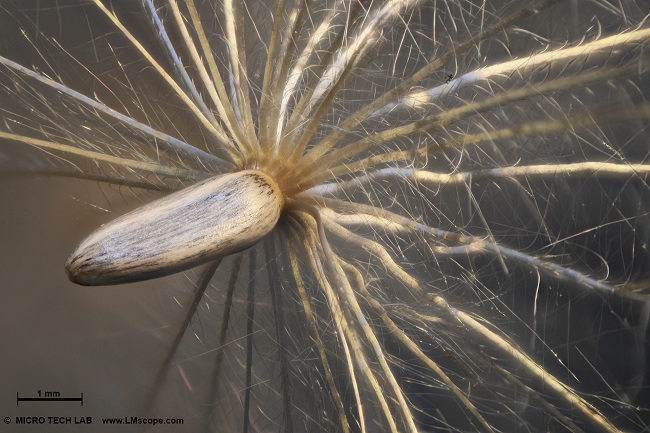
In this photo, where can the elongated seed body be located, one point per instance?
(214, 218)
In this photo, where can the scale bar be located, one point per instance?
(79, 399)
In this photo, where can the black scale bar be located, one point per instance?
(79, 399)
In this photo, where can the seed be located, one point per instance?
(206, 221)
